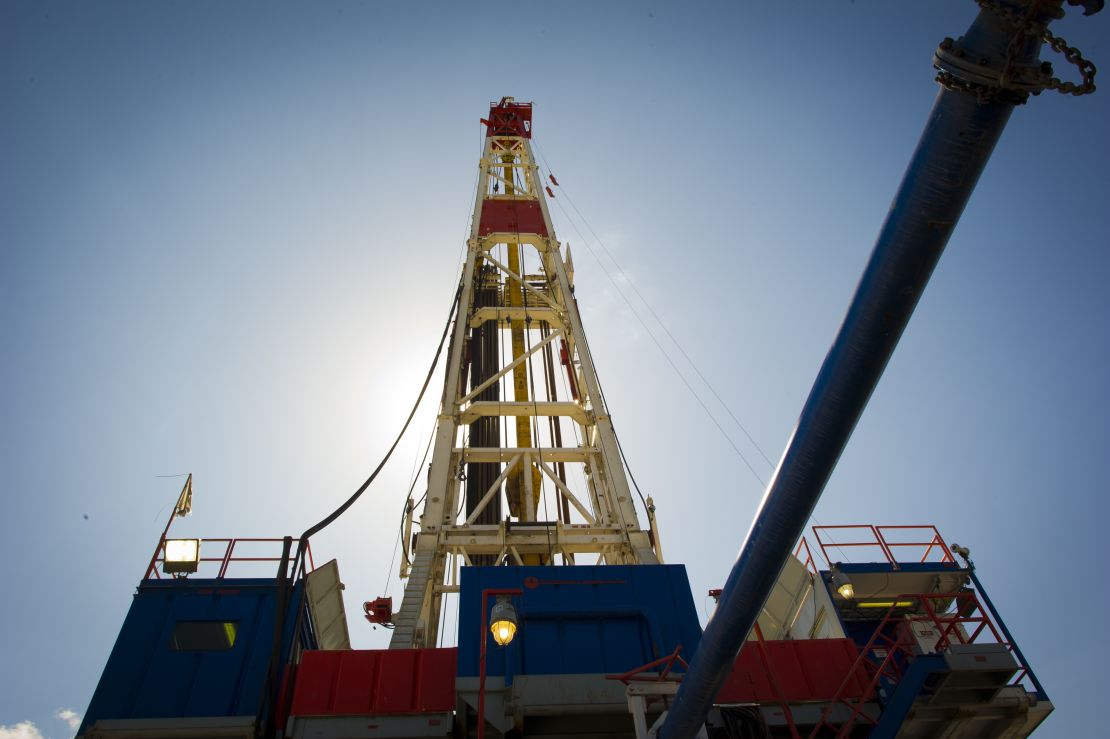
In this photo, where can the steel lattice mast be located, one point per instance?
(567, 493)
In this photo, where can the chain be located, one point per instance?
(984, 93)
(1024, 23)
(1072, 54)
(1021, 25)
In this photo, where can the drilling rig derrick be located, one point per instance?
(525, 465)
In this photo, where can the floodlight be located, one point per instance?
(182, 556)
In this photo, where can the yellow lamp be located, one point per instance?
(842, 584)
(503, 623)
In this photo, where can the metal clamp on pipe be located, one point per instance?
(998, 58)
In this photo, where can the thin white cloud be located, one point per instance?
(22, 730)
(70, 716)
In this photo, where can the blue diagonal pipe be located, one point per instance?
(960, 134)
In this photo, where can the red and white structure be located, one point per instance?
(526, 467)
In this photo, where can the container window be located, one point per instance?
(204, 636)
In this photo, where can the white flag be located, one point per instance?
(185, 500)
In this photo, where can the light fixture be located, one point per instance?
(884, 604)
(841, 582)
(182, 556)
(502, 620)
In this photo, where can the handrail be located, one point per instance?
(808, 562)
(891, 648)
(225, 559)
(776, 688)
(934, 547)
(879, 536)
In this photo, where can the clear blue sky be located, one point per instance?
(229, 233)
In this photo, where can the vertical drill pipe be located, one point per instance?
(954, 148)
(484, 431)
(516, 485)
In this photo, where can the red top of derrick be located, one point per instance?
(509, 118)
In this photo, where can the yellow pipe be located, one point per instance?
(514, 484)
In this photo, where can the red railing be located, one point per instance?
(807, 562)
(957, 618)
(226, 558)
(890, 544)
(644, 672)
(895, 545)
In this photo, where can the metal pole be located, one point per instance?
(152, 567)
(966, 122)
(482, 671)
(482, 653)
(265, 721)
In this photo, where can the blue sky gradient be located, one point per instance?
(229, 233)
